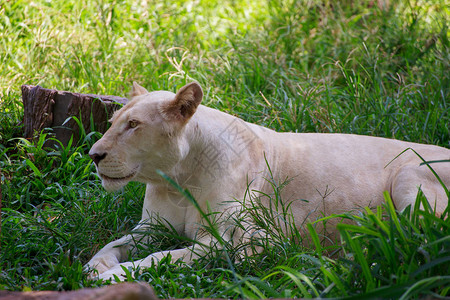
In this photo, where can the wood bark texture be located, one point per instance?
(49, 108)
(120, 291)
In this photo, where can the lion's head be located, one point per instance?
(145, 135)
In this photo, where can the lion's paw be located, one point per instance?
(101, 265)
(116, 273)
(114, 277)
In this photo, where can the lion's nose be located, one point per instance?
(97, 157)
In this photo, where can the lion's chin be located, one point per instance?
(111, 184)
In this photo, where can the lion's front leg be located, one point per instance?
(110, 255)
(186, 255)
(115, 252)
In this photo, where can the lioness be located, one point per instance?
(216, 155)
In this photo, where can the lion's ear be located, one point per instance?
(137, 90)
(185, 104)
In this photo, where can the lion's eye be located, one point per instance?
(132, 124)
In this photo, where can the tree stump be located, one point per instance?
(46, 108)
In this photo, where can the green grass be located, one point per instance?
(301, 66)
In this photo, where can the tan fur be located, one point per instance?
(215, 156)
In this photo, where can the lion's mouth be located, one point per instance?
(117, 178)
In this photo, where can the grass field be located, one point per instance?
(302, 66)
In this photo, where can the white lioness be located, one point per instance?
(216, 155)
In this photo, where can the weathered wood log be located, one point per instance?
(46, 108)
(121, 291)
